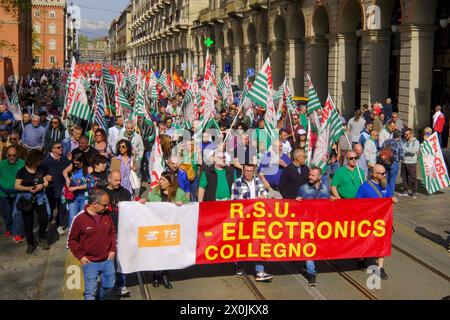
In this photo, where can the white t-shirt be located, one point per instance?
(286, 147)
(252, 188)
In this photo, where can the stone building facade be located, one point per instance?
(48, 18)
(359, 51)
(161, 33)
(15, 43)
(95, 50)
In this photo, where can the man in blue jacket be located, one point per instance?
(314, 189)
(377, 187)
(173, 164)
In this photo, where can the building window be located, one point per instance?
(52, 59)
(37, 13)
(37, 59)
(52, 45)
(37, 28)
(52, 14)
(52, 28)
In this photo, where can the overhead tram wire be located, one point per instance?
(99, 9)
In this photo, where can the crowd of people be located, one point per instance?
(73, 174)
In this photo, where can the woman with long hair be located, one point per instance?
(167, 191)
(76, 182)
(123, 162)
(100, 142)
(31, 182)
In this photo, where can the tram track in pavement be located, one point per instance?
(354, 283)
(143, 286)
(420, 262)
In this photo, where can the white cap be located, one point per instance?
(301, 131)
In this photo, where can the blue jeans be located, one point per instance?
(392, 174)
(17, 223)
(107, 274)
(310, 268)
(6, 203)
(259, 268)
(76, 206)
(194, 189)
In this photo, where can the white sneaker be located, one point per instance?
(263, 277)
(123, 292)
(61, 231)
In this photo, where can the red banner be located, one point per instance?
(288, 230)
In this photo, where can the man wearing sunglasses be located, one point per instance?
(55, 163)
(377, 187)
(56, 132)
(14, 140)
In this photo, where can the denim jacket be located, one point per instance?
(308, 191)
(41, 198)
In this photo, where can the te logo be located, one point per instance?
(158, 236)
(73, 280)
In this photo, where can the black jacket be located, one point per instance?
(53, 135)
(291, 180)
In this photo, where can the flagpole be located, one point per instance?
(241, 105)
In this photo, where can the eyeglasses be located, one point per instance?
(103, 205)
(382, 173)
(12, 138)
(11, 155)
(55, 122)
(353, 158)
(122, 147)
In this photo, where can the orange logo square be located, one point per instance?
(159, 236)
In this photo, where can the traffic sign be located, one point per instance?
(250, 72)
(227, 67)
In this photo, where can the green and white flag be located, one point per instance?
(81, 108)
(162, 80)
(331, 129)
(139, 104)
(331, 119)
(152, 86)
(259, 92)
(434, 171)
(313, 99)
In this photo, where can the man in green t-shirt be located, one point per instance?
(347, 179)
(8, 171)
(216, 181)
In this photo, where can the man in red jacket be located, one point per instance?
(438, 123)
(92, 240)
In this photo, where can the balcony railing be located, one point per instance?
(258, 4)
